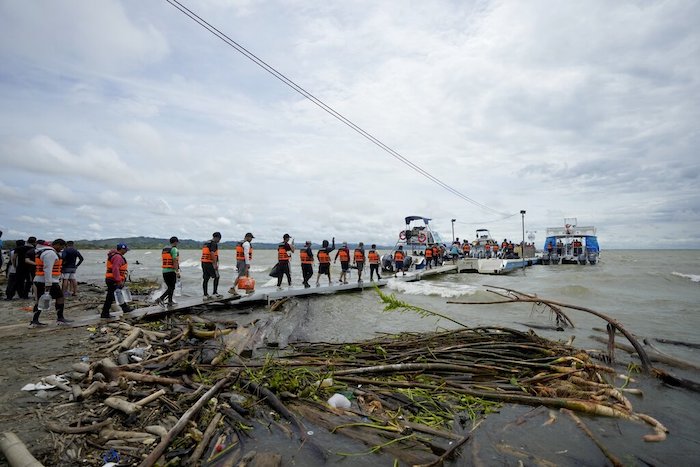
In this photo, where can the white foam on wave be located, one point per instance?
(440, 289)
(190, 263)
(692, 277)
(259, 268)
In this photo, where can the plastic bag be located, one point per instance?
(275, 272)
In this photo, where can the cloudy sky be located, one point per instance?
(123, 118)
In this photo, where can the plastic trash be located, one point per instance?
(45, 302)
(119, 297)
(178, 288)
(339, 401)
(127, 294)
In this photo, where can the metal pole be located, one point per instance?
(453, 230)
(522, 244)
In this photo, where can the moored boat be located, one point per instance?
(415, 238)
(571, 244)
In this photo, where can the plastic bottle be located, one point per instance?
(119, 297)
(127, 294)
(45, 302)
(178, 288)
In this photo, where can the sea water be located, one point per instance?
(653, 294)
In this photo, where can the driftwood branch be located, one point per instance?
(523, 297)
(184, 420)
(16, 452)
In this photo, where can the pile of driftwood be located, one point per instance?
(179, 393)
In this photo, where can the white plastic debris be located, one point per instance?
(339, 401)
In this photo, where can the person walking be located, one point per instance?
(71, 260)
(284, 252)
(344, 254)
(324, 261)
(170, 266)
(398, 261)
(359, 260)
(115, 278)
(373, 258)
(306, 257)
(210, 265)
(47, 278)
(11, 271)
(244, 256)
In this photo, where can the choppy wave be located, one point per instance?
(441, 289)
(575, 291)
(692, 277)
(193, 263)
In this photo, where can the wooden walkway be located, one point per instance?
(263, 295)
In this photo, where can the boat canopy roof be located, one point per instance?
(410, 219)
(571, 230)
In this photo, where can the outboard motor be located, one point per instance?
(388, 263)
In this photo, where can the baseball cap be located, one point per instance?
(250, 235)
(286, 236)
(122, 246)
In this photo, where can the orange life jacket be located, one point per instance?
(324, 257)
(429, 253)
(282, 252)
(123, 269)
(373, 257)
(207, 256)
(398, 255)
(344, 254)
(436, 251)
(240, 256)
(359, 255)
(55, 270)
(466, 247)
(305, 257)
(167, 258)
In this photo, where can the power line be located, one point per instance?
(326, 108)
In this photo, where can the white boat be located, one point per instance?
(414, 238)
(571, 244)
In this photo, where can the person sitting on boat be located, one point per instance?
(344, 253)
(487, 248)
(560, 246)
(550, 247)
(429, 256)
(495, 250)
(398, 261)
(324, 261)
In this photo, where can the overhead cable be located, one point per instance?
(262, 64)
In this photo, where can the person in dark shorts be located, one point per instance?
(71, 260)
(359, 260)
(398, 261)
(324, 261)
(210, 265)
(344, 255)
(284, 252)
